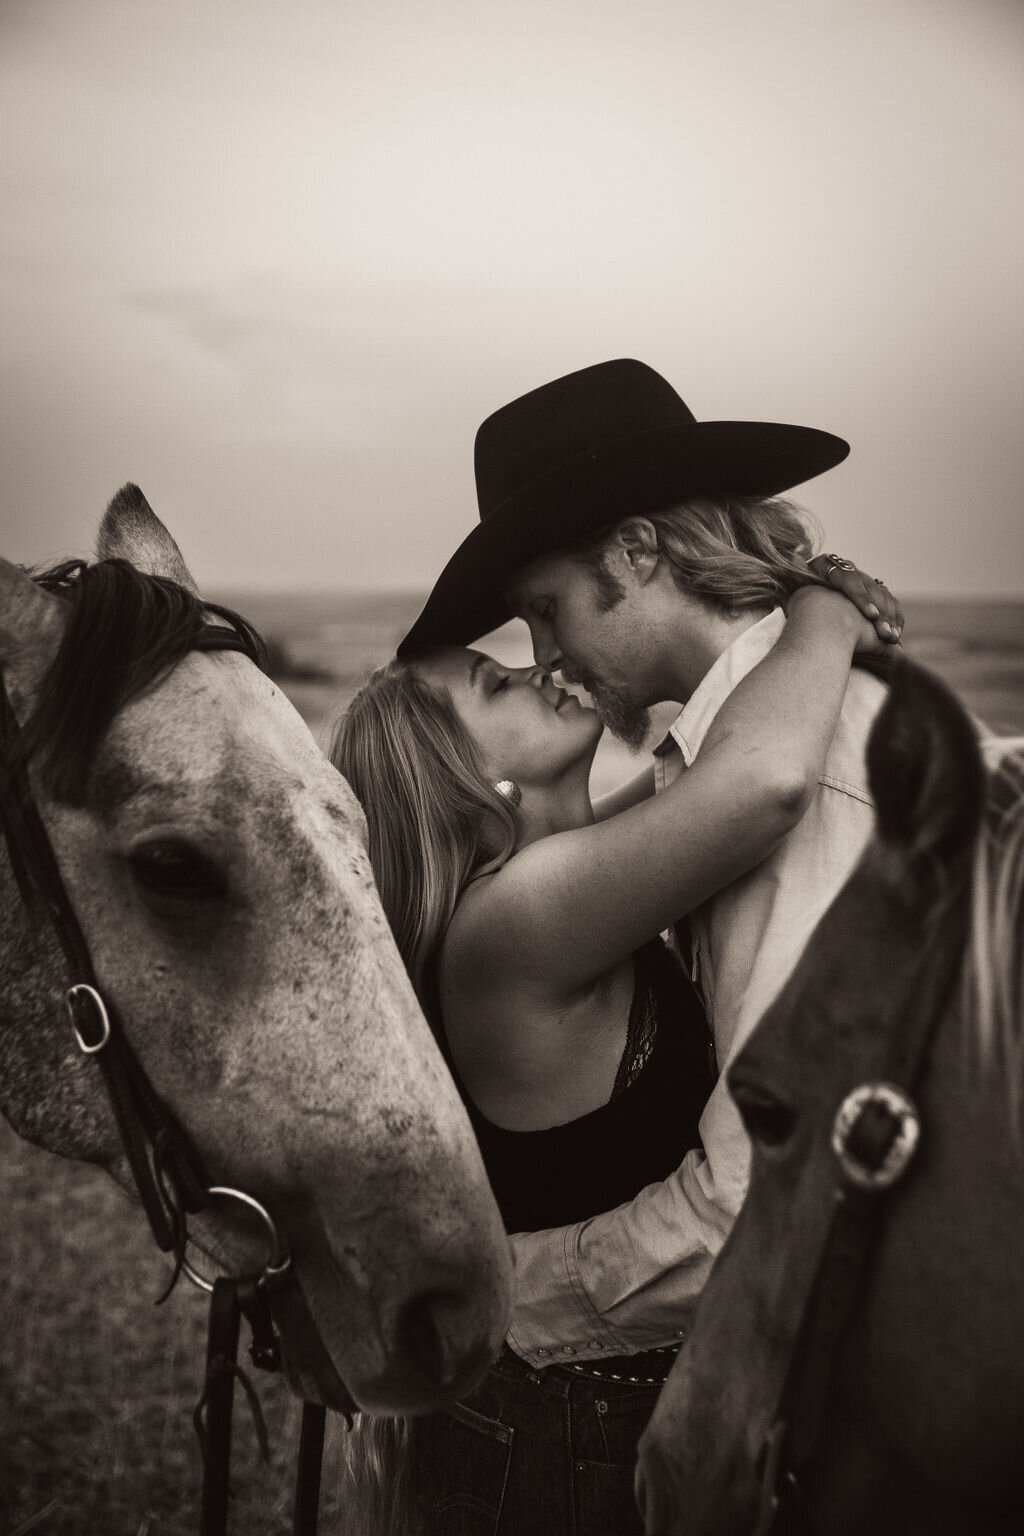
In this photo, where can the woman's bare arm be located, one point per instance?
(568, 907)
(640, 787)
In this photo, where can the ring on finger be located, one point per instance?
(879, 583)
(837, 563)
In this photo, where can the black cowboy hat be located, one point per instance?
(570, 458)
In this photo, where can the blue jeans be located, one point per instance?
(532, 1453)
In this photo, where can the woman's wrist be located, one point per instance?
(818, 598)
(820, 610)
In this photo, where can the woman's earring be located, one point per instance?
(510, 790)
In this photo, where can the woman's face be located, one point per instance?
(525, 728)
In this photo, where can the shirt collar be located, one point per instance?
(693, 722)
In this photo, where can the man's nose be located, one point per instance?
(545, 651)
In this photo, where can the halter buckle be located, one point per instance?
(876, 1167)
(71, 998)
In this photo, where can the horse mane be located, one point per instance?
(993, 975)
(124, 628)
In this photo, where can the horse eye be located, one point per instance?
(767, 1120)
(175, 870)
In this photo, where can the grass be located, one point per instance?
(98, 1385)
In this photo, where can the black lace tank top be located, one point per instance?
(561, 1175)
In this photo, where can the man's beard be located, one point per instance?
(628, 721)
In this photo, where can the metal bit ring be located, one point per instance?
(280, 1259)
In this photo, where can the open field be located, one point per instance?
(96, 1385)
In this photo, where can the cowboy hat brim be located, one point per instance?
(638, 474)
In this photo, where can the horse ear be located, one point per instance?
(131, 531)
(31, 623)
(925, 770)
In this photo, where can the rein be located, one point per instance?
(166, 1166)
(875, 1135)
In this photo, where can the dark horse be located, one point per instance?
(857, 1354)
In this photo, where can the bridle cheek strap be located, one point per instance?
(170, 1178)
(875, 1137)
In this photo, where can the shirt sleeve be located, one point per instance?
(627, 1280)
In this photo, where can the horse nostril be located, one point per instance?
(422, 1339)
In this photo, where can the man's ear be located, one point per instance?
(635, 543)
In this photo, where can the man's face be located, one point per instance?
(584, 626)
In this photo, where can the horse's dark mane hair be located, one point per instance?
(124, 628)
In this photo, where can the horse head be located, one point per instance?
(913, 1423)
(217, 867)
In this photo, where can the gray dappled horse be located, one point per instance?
(217, 866)
(865, 1368)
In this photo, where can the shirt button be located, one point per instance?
(567, 1349)
(680, 1333)
(543, 1351)
(594, 1344)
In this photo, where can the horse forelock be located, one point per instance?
(124, 628)
(993, 974)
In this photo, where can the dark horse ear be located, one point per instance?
(925, 771)
(131, 531)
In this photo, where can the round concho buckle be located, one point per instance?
(280, 1258)
(902, 1109)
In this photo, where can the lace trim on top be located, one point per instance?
(641, 1033)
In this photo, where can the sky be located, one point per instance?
(276, 261)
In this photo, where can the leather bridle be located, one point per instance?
(875, 1135)
(166, 1166)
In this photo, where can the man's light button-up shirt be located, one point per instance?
(627, 1280)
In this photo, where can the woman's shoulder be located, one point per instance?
(487, 944)
(494, 914)
(528, 1051)
(528, 925)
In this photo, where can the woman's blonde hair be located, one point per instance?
(733, 552)
(434, 820)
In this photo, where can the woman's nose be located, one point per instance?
(538, 676)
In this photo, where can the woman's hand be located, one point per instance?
(873, 599)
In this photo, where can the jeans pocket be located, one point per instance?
(462, 1463)
(621, 1419)
(606, 1429)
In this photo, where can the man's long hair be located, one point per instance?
(735, 553)
(434, 819)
